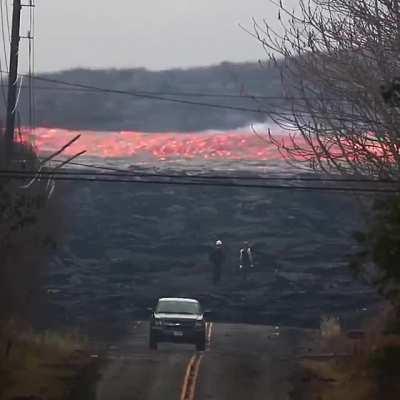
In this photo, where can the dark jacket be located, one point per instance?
(217, 256)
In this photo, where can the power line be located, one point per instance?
(5, 53)
(341, 117)
(3, 86)
(151, 96)
(177, 94)
(66, 178)
(8, 20)
(5, 41)
(163, 93)
(120, 171)
(61, 89)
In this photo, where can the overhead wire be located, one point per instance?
(176, 94)
(3, 33)
(18, 96)
(119, 171)
(189, 182)
(149, 95)
(3, 86)
(4, 51)
(156, 96)
(131, 173)
(8, 20)
(342, 117)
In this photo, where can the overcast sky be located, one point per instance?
(156, 34)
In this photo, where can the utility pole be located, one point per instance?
(12, 81)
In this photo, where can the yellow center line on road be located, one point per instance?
(194, 378)
(189, 370)
(192, 370)
(209, 332)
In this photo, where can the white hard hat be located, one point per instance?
(218, 243)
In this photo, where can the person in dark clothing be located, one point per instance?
(217, 258)
(246, 261)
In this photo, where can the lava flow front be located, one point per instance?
(234, 145)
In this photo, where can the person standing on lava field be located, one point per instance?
(217, 258)
(246, 261)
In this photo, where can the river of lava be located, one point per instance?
(234, 145)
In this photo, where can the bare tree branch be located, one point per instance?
(334, 57)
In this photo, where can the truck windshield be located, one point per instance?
(178, 307)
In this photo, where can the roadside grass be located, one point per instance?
(358, 365)
(45, 365)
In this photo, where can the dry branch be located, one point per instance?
(335, 57)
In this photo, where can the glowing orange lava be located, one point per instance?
(232, 145)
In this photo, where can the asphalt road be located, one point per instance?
(240, 362)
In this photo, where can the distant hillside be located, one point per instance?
(77, 109)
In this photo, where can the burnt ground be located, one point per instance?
(128, 244)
